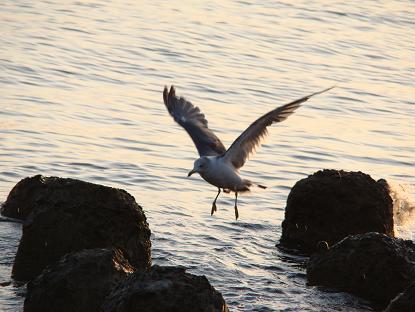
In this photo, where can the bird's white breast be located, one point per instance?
(221, 174)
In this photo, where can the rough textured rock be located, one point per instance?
(370, 265)
(77, 282)
(331, 204)
(164, 289)
(68, 215)
(404, 302)
(20, 201)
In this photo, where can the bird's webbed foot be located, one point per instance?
(236, 213)
(214, 203)
(213, 208)
(236, 206)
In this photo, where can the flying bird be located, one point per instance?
(217, 165)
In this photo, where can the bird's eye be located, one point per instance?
(201, 166)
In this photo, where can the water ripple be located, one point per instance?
(82, 98)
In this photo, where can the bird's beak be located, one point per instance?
(191, 172)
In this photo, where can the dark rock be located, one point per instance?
(371, 265)
(68, 215)
(322, 246)
(404, 302)
(77, 282)
(20, 201)
(164, 289)
(331, 204)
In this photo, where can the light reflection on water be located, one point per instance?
(81, 87)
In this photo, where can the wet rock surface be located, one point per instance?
(331, 204)
(19, 202)
(164, 289)
(68, 215)
(77, 282)
(371, 265)
(404, 302)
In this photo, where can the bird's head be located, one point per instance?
(199, 166)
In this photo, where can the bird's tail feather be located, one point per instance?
(250, 183)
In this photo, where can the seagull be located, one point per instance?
(217, 165)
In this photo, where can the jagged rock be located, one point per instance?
(371, 265)
(404, 302)
(77, 282)
(164, 289)
(68, 215)
(331, 204)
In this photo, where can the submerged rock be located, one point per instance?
(370, 265)
(68, 215)
(77, 282)
(330, 204)
(404, 302)
(164, 289)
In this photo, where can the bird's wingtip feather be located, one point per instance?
(172, 91)
(165, 95)
(168, 94)
(325, 90)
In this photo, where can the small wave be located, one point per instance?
(403, 209)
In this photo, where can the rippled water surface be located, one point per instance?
(81, 96)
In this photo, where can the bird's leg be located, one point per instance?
(236, 207)
(214, 203)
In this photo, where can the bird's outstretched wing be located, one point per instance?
(194, 122)
(246, 143)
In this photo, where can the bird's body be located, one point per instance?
(217, 165)
(229, 179)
